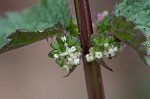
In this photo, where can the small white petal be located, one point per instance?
(73, 49)
(70, 59)
(66, 44)
(110, 50)
(66, 67)
(64, 54)
(106, 54)
(98, 55)
(63, 39)
(116, 49)
(89, 58)
(106, 45)
(72, 55)
(55, 56)
(77, 61)
(79, 54)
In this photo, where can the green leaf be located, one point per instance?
(139, 12)
(103, 25)
(72, 41)
(54, 45)
(53, 52)
(59, 40)
(125, 31)
(21, 38)
(45, 19)
(60, 61)
(72, 27)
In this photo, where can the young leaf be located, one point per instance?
(45, 19)
(139, 12)
(72, 27)
(125, 31)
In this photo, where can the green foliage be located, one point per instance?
(103, 25)
(118, 29)
(45, 19)
(139, 12)
(125, 31)
(72, 27)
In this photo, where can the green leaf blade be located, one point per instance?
(139, 12)
(20, 38)
(45, 19)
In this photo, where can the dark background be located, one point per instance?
(28, 72)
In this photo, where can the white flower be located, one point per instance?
(66, 67)
(55, 56)
(78, 54)
(89, 58)
(111, 52)
(76, 61)
(98, 55)
(106, 45)
(73, 55)
(106, 54)
(116, 49)
(68, 51)
(63, 39)
(73, 49)
(70, 59)
(66, 44)
(64, 53)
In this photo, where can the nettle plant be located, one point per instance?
(128, 25)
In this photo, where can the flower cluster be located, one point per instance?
(109, 52)
(70, 54)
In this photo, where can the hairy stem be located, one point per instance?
(92, 70)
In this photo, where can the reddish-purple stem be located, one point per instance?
(92, 70)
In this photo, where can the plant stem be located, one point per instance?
(92, 70)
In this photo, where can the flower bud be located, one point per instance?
(106, 45)
(63, 39)
(55, 56)
(89, 58)
(73, 49)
